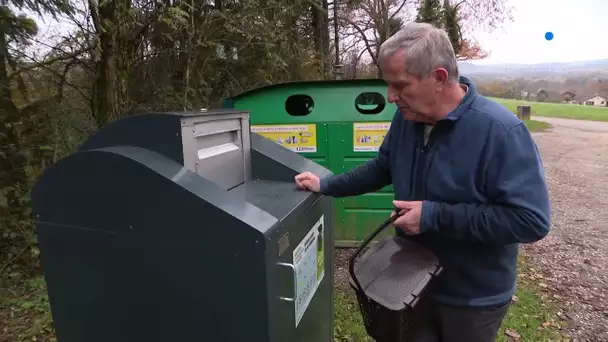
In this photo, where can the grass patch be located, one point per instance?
(25, 314)
(348, 324)
(536, 126)
(531, 316)
(558, 110)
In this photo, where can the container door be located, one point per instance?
(352, 144)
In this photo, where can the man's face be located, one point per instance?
(415, 97)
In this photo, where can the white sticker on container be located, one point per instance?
(308, 260)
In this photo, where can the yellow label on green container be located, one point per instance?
(298, 138)
(368, 136)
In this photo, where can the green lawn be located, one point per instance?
(531, 316)
(558, 110)
(536, 126)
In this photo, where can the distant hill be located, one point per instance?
(535, 70)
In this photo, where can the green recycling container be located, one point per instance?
(338, 124)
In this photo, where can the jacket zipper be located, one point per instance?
(427, 158)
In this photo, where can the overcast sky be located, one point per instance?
(580, 29)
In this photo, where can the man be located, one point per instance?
(468, 180)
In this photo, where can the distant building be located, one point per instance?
(541, 95)
(568, 97)
(595, 100)
(527, 95)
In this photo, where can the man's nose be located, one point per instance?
(391, 97)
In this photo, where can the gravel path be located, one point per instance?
(580, 125)
(573, 258)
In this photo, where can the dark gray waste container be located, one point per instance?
(176, 227)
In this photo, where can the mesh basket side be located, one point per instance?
(393, 270)
(397, 277)
(386, 325)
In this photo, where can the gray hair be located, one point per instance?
(427, 48)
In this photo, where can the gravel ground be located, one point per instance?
(573, 259)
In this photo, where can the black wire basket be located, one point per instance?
(393, 281)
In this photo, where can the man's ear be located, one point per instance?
(441, 76)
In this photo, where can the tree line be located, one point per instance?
(574, 88)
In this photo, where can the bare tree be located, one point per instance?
(373, 21)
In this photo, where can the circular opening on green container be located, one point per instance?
(299, 105)
(370, 103)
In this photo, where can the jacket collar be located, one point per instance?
(466, 100)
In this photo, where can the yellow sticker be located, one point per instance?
(368, 136)
(298, 138)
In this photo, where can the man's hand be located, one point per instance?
(409, 222)
(308, 181)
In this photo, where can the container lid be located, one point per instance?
(395, 271)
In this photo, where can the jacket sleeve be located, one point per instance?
(368, 177)
(518, 210)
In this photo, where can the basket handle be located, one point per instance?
(351, 262)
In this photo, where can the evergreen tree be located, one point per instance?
(451, 26)
(443, 16)
(430, 11)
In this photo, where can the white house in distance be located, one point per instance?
(595, 100)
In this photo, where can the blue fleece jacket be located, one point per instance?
(482, 184)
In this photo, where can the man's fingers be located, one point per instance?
(404, 219)
(404, 205)
(400, 211)
(402, 223)
(304, 181)
(401, 204)
(301, 178)
(397, 221)
(307, 181)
